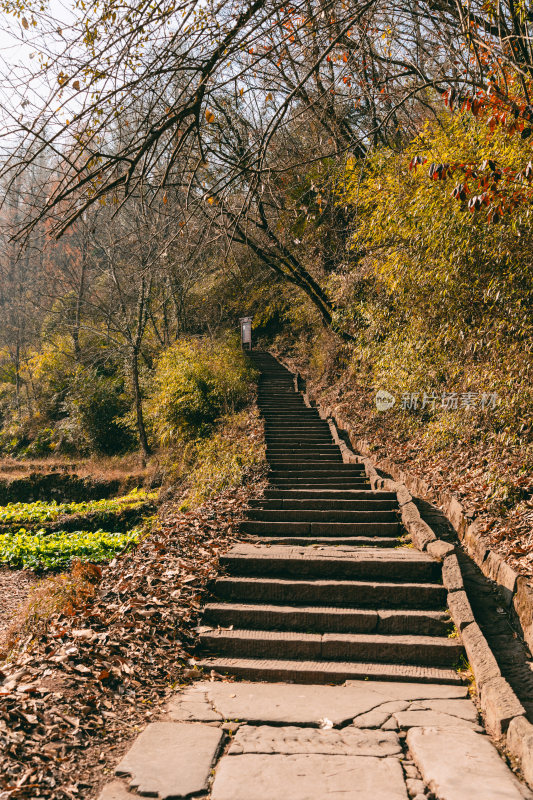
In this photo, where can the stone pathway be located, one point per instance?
(366, 740)
(322, 590)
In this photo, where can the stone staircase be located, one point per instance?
(322, 588)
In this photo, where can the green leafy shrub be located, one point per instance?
(26, 550)
(196, 382)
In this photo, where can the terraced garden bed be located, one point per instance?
(50, 535)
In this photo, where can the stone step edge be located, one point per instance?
(320, 672)
(332, 541)
(503, 714)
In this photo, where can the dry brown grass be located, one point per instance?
(100, 468)
(66, 594)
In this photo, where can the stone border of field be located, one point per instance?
(503, 714)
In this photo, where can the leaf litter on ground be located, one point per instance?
(76, 693)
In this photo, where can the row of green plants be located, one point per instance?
(42, 551)
(48, 511)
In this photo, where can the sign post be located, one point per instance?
(246, 333)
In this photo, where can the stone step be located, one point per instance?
(297, 461)
(328, 494)
(320, 672)
(321, 528)
(332, 471)
(310, 515)
(363, 563)
(322, 619)
(309, 504)
(319, 483)
(294, 420)
(294, 427)
(292, 438)
(435, 651)
(311, 470)
(357, 594)
(279, 414)
(302, 449)
(331, 541)
(347, 478)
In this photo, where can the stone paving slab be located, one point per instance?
(433, 719)
(171, 760)
(115, 791)
(295, 741)
(462, 765)
(191, 705)
(393, 690)
(457, 708)
(379, 716)
(305, 777)
(309, 704)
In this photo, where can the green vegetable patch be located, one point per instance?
(42, 511)
(49, 551)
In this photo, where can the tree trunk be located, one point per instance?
(141, 429)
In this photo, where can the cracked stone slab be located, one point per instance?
(171, 760)
(459, 765)
(308, 704)
(465, 709)
(191, 705)
(379, 716)
(301, 777)
(432, 719)
(298, 741)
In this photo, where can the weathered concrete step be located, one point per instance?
(327, 476)
(295, 427)
(295, 435)
(282, 416)
(331, 541)
(296, 421)
(404, 649)
(326, 471)
(286, 417)
(302, 450)
(328, 672)
(279, 402)
(294, 439)
(311, 455)
(322, 619)
(309, 504)
(343, 562)
(335, 467)
(322, 528)
(357, 594)
(319, 483)
(328, 494)
(310, 515)
(297, 463)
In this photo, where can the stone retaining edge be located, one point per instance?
(503, 714)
